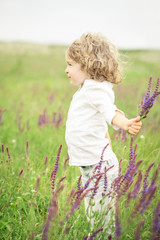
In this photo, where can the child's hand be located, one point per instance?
(134, 125)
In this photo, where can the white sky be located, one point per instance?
(127, 23)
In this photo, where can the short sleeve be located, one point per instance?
(103, 100)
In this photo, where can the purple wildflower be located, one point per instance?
(56, 166)
(149, 100)
(59, 120)
(51, 97)
(101, 160)
(37, 185)
(2, 150)
(21, 171)
(96, 187)
(153, 181)
(77, 202)
(105, 181)
(120, 135)
(46, 159)
(61, 179)
(93, 234)
(45, 231)
(138, 163)
(155, 229)
(146, 197)
(147, 95)
(140, 225)
(67, 229)
(52, 213)
(8, 153)
(117, 222)
(54, 117)
(65, 163)
(137, 186)
(79, 182)
(32, 236)
(149, 199)
(40, 120)
(90, 179)
(19, 123)
(71, 195)
(79, 186)
(27, 150)
(145, 180)
(127, 179)
(59, 189)
(43, 118)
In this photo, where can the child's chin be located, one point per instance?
(73, 83)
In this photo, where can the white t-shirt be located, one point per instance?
(91, 108)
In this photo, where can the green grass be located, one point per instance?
(29, 75)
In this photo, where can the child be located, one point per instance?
(92, 63)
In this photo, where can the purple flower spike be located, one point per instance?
(93, 234)
(8, 153)
(21, 171)
(140, 225)
(117, 223)
(65, 163)
(56, 166)
(54, 117)
(79, 186)
(124, 182)
(46, 159)
(105, 181)
(59, 120)
(147, 95)
(2, 150)
(27, 149)
(136, 189)
(95, 187)
(149, 100)
(100, 163)
(51, 97)
(61, 179)
(37, 185)
(71, 195)
(155, 229)
(145, 180)
(52, 214)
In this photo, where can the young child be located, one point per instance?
(92, 63)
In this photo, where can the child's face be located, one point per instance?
(76, 75)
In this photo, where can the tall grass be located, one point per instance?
(34, 99)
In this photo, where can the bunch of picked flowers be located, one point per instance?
(148, 101)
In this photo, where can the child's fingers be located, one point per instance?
(137, 123)
(135, 126)
(133, 131)
(137, 119)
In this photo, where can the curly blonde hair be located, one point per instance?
(97, 56)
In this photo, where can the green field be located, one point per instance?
(34, 99)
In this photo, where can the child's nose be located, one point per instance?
(66, 70)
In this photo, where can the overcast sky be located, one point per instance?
(127, 23)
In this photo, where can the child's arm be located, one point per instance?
(132, 125)
(107, 136)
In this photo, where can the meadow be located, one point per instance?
(34, 100)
